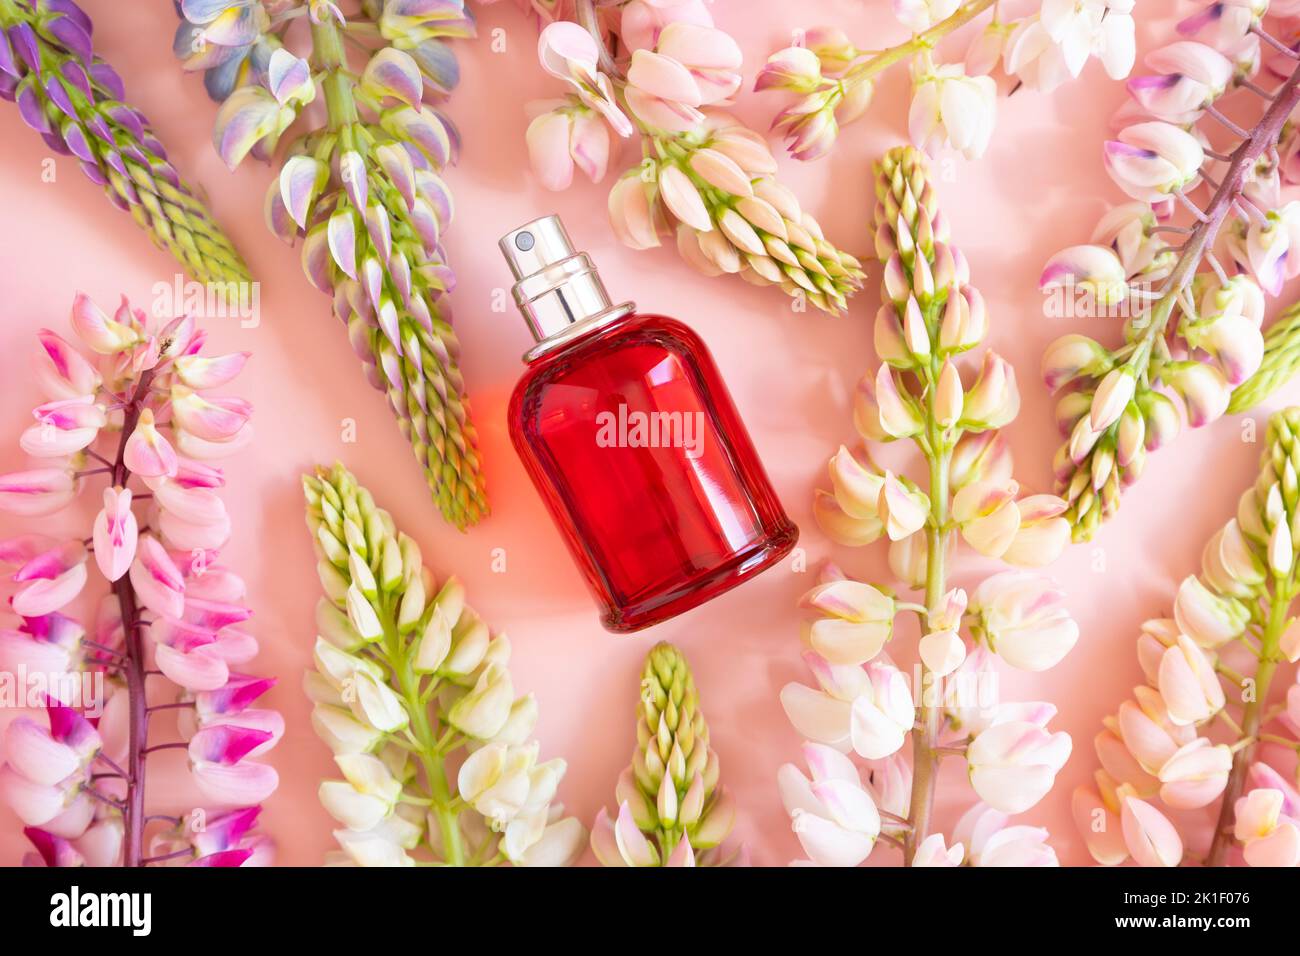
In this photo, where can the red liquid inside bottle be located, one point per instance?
(634, 443)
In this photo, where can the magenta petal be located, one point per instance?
(225, 744)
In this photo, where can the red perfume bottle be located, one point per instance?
(630, 435)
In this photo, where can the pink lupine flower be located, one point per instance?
(1188, 683)
(52, 850)
(987, 515)
(1273, 247)
(148, 453)
(1151, 160)
(50, 580)
(38, 492)
(63, 427)
(221, 773)
(833, 816)
(1268, 837)
(711, 56)
(857, 620)
(115, 534)
(213, 420)
(1094, 270)
(994, 399)
(1024, 620)
(61, 371)
(883, 713)
(47, 645)
(1043, 532)
(102, 334)
(564, 139)
(1195, 774)
(569, 52)
(1207, 618)
(795, 69)
(903, 510)
(1148, 733)
(1100, 826)
(1113, 394)
(952, 109)
(894, 416)
(1190, 76)
(620, 842)
(1224, 23)
(983, 831)
(201, 372)
(1148, 834)
(1205, 391)
(934, 852)
(919, 15)
(825, 715)
(662, 93)
(1013, 764)
(158, 584)
(644, 20)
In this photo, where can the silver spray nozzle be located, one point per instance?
(556, 288)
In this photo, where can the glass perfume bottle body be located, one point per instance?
(633, 441)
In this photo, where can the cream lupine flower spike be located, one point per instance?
(1192, 759)
(862, 702)
(671, 809)
(414, 697)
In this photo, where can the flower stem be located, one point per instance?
(883, 60)
(327, 54)
(1252, 718)
(133, 663)
(925, 738)
(428, 745)
(1257, 142)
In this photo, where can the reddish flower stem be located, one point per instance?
(1258, 141)
(133, 661)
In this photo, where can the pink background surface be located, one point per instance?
(1041, 186)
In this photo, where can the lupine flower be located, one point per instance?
(1267, 840)
(564, 139)
(1160, 750)
(569, 52)
(832, 814)
(373, 212)
(1149, 835)
(1150, 160)
(76, 102)
(672, 810)
(64, 781)
(983, 831)
(952, 110)
(953, 104)
(1023, 620)
(1214, 355)
(1189, 76)
(857, 619)
(1014, 763)
(500, 805)
(707, 180)
(861, 702)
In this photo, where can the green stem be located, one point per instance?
(1251, 718)
(328, 56)
(883, 60)
(400, 657)
(925, 738)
